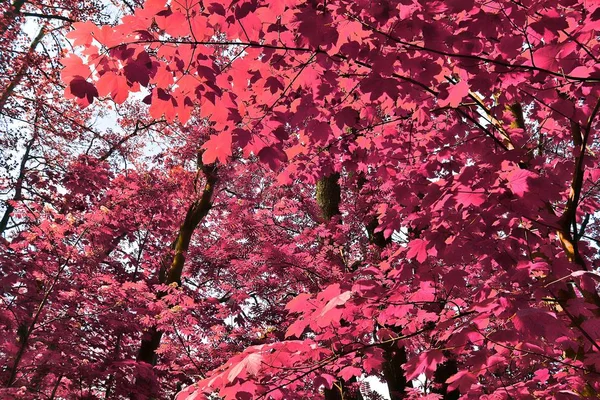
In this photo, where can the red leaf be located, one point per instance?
(338, 300)
(115, 85)
(83, 33)
(535, 323)
(251, 364)
(462, 381)
(273, 156)
(325, 380)
(551, 56)
(373, 360)
(468, 198)
(517, 181)
(176, 25)
(74, 66)
(218, 147)
(83, 89)
(299, 303)
(350, 372)
(455, 94)
(423, 363)
(417, 248)
(330, 313)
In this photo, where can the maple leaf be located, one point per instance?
(338, 300)
(350, 372)
(251, 364)
(518, 181)
(83, 33)
(83, 89)
(417, 248)
(463, 380)
(456, 93)
(467, 198)
(218, 147)
(373, 360)
(299, 303)
(176, 24)
(423, 363)
(347, 116)
(297, 328)
(140, 69)
(74, 66)
(535, 322)
(550, 57)
(113, 84)
(273, 156)
(330, 312)
(319, 131)
(325, 380)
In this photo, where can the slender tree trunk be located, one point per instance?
(19, 184)
(3, 99)
(55, 388)
(328, 197)
(111, 378)
(22, 70)
(444, 371)
(10, 15)
(394, 356)
(171, 273)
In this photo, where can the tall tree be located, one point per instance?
(407, 190)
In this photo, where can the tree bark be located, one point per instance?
(328, 196)
(394, 356)
(444, 371)
(170, 273)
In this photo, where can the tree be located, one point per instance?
(341, 189)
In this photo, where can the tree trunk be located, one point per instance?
(393, 373)
(19, 184)
(444, 371)
(328, 196)
(10, 15)
(22, 70)
(170, 273)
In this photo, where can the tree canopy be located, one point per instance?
(293, 199)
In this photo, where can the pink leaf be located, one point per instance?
(417, 248)
(455, 94)
(423, 363)
(350, 372)
(251, 364)
(218, 147)
(336, 301)
(518, 181)
(468, 198)
(83, 89)
(462, 381)
(536, 323)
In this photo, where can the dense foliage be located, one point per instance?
(288, 199)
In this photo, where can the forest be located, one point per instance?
(299, 199)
